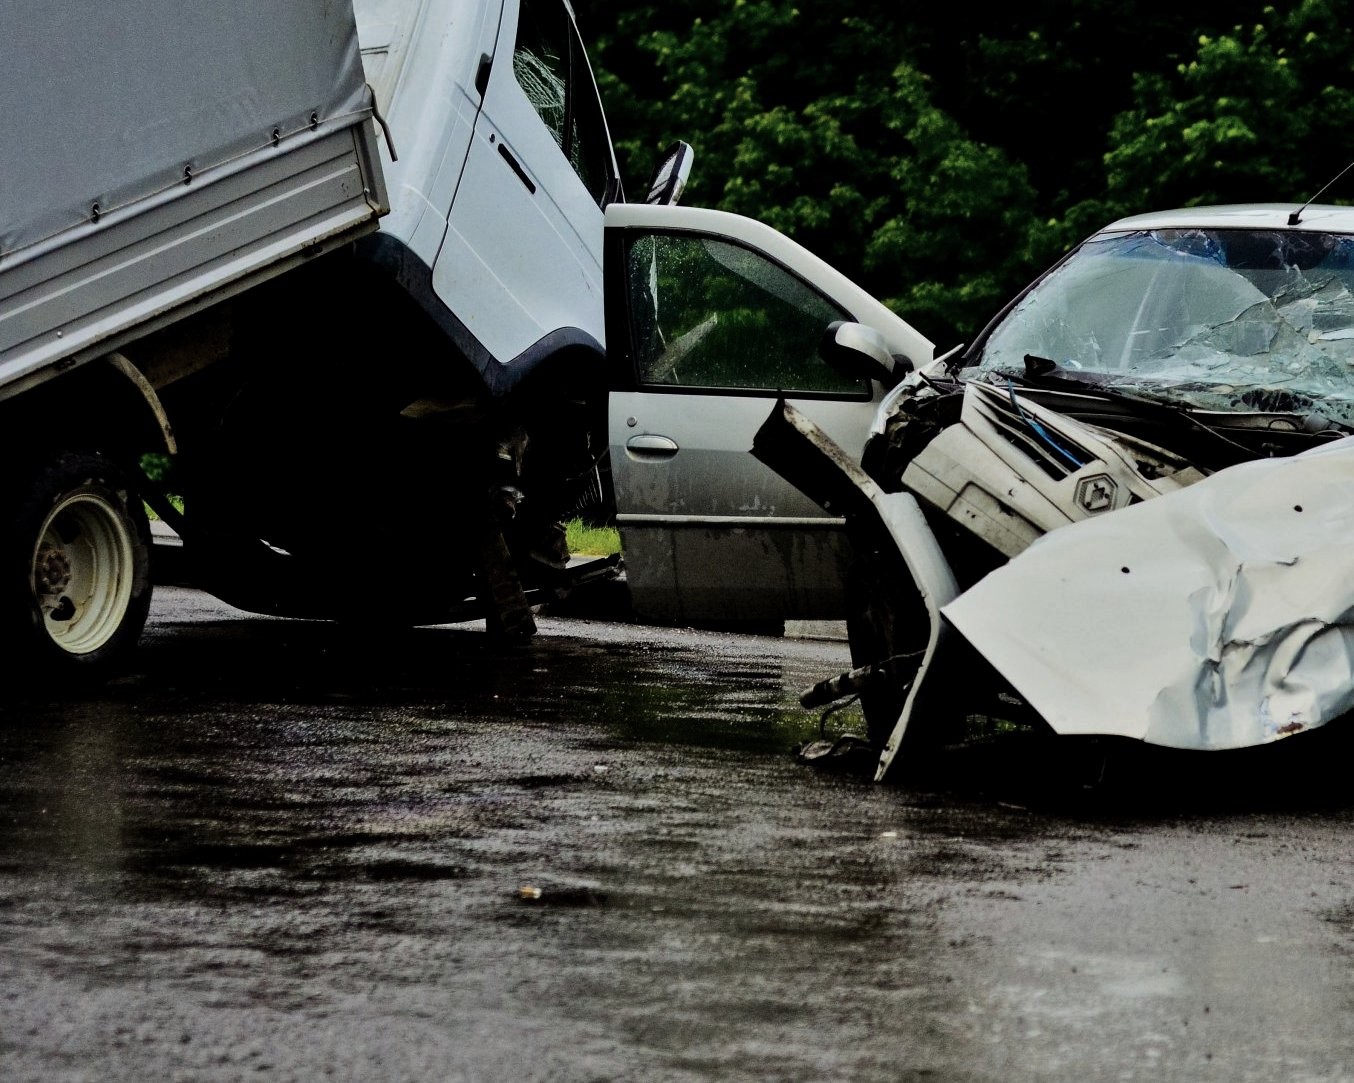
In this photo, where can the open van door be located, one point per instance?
(711, 318)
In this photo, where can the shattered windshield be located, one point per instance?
(1221, 319)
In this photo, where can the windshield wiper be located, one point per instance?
(1047, 373)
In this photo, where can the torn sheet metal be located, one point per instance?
(1215, 617)
(795, 447)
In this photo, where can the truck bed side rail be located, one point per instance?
(88, 290)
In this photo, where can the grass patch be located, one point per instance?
(592, 541)
(177, 501)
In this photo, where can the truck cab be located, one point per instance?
(504, 167)
(464, 376)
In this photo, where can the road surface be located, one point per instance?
(283, 850)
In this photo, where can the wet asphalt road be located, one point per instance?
(283, 850)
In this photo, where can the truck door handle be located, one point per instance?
(651, 447)
(516, 167)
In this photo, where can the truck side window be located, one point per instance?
(549, 65)
(709, 313)
(590, 151)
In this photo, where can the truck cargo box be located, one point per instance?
(156, 156)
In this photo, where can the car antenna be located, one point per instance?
(1296, 216)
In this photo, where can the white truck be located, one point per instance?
(158, 163)
(384, 425)
(188, 265)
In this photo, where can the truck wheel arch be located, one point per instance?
(390, 259)
(107, 405)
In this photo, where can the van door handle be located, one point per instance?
(516, 167)
(651, 447)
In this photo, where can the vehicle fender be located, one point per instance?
(393, 259)
(1220, 616)
(158, 415)
(108, 406)
(901, 518)
(798, 450)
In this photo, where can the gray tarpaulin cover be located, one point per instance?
(107, 102)
(1216, 617)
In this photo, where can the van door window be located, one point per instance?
(711, 314)
(550, 66)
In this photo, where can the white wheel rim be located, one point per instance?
(83, 565)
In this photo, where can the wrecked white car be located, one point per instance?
(1205, 357)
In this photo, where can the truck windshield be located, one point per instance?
(1222, 319)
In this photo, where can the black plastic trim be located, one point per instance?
(768, 393)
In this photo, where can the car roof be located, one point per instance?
(1317, 217)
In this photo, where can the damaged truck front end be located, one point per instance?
(1203, 357)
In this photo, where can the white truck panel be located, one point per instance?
(84, 289)
(514, 249)
(421, 58)
(218, 142)
(177, 85)
(523, 251)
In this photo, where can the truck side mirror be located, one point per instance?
(860, 353)
(670, 175)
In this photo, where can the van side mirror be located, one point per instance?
(670, 175)
(860, 353)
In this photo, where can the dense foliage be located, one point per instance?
(942, 156)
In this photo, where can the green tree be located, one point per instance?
(1259, 113)
(941, 158)
(836, 144)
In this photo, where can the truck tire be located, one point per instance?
(75, 582)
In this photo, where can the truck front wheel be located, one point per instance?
(74, 568)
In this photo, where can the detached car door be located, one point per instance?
(710, 319)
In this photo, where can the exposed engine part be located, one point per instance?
(1012, 470)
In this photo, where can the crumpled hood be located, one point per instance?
(1216, 617)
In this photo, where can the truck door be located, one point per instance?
(522, 255)
(711, 319)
